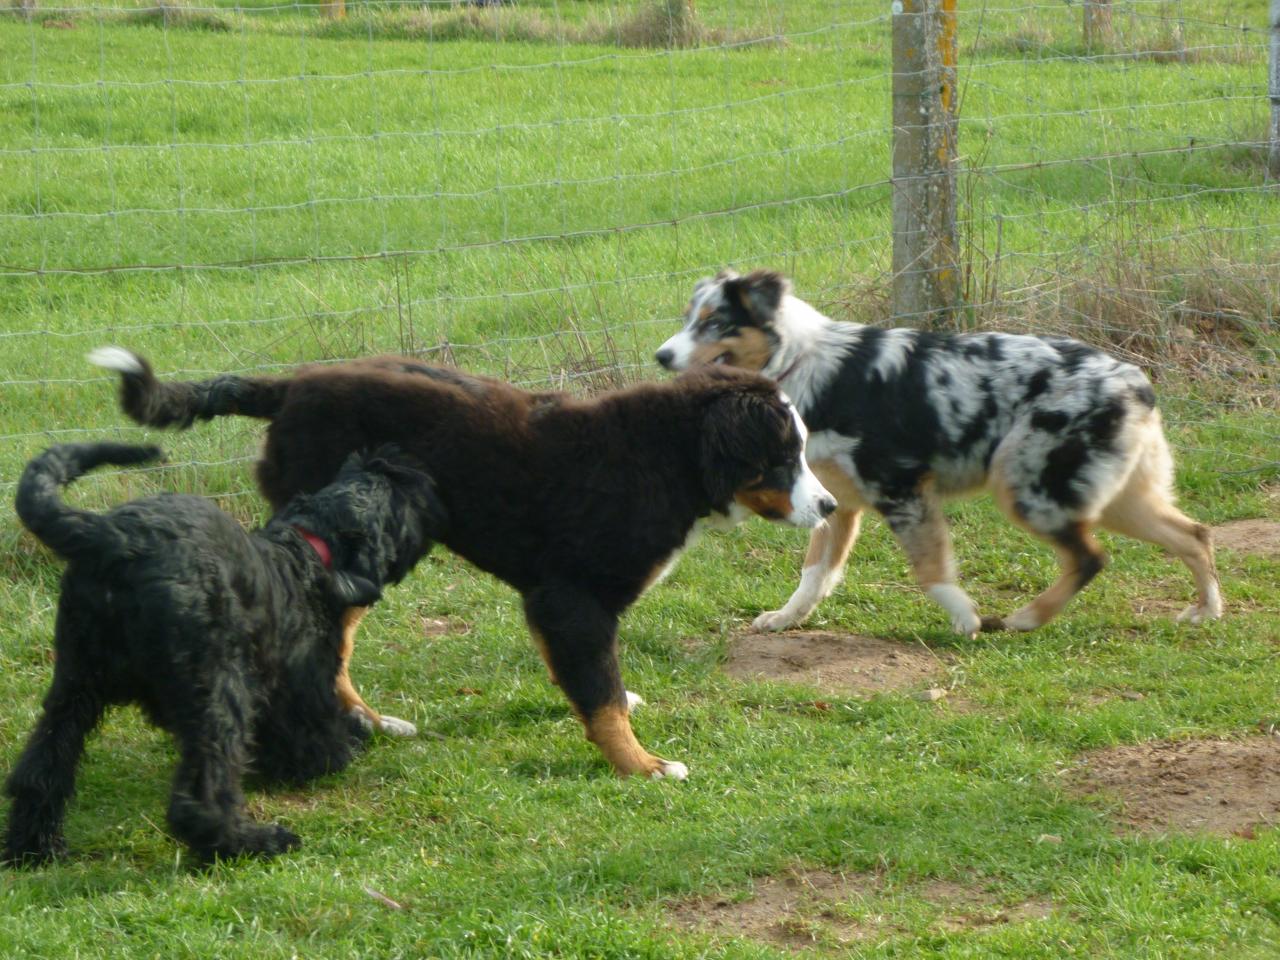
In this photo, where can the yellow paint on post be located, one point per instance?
(947, 53)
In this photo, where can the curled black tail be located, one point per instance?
(179, 403)
(39, 503)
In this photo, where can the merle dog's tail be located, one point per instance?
(62, 528)
(179, 403)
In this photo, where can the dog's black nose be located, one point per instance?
(827, 506)
(665, 357)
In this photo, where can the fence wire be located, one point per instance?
(531, 190)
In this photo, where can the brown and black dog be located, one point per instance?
(578, 504)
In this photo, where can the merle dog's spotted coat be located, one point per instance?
(1066, 437)
(229, 640)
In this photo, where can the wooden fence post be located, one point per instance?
(1097, 23)
(926, 277)
(1273, 156)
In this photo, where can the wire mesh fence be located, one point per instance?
(531, 189)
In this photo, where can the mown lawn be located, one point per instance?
(286, 191)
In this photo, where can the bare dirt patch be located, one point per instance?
(1193, 786)
(805, 909)
(1256, 537)
(837, 663)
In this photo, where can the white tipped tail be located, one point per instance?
(115, 358)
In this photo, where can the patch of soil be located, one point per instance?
(837, 663)
(1257, 537)
(1194, 786)
(817, 908)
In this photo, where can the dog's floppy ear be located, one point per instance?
(735, 428)
(760, 293)
(350, 590)
(728, 273)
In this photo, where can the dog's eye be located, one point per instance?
(722, 359)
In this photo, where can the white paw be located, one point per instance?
(361, 718)
(962, 610)
(634, 700)
(670, 770)
(966, 624)
(1197, 614)
(395, 727)
(773, 620)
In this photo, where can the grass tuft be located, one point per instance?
(178, 14)
(657, 24)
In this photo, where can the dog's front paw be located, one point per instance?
(773, 620)
(960, 608)
(263, 840)
(269, 840)
(670, 770)
(33, 855)
(1197, 614)
(395, 727)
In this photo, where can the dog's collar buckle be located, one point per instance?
(320, 547)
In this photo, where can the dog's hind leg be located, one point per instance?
(921, 528)
(350, 699)
(1049, 484)
(207, 806)
(578, 640)
(1144, 510)
(44, 778)
(1081, 558)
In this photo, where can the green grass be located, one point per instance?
(290, 190)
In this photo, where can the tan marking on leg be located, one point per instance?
(831, 542)
(840, 532)
(347, 695)
(829, 547)
(1144, 511)
(1081, 558)
(819, 545)
(540, 642)
(927, 545)
(838, 484)
(609, 728)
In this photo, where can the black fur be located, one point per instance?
(227, 639)
(575, 503)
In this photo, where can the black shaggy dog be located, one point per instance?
(227, 639)
(578, 504)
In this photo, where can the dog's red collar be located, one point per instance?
(320, 547)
